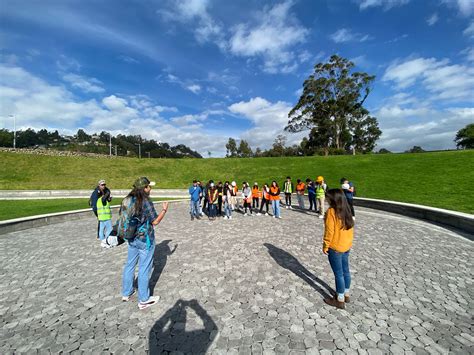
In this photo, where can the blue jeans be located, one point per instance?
(138, 253)
(105, 228)
(227, 209)
(312, 201)
(276, 208)
(212, 210)
(340, 267)
(194, 208)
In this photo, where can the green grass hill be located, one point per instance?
(438, 179)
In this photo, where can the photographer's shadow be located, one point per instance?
(162, 251)
(289, 262)
(169, 332)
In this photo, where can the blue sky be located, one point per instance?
(199, 71)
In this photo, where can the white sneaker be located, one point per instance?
(274, 217)
(230, 217)
(266, 214)
(321, 216)
(259, 214)
(151, 301)
(291, 207)
(245, 213)
(104, 244)
(286, 207)
(127, 298)
(279, 217)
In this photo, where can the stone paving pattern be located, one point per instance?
(246, 285)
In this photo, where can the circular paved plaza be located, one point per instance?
(246, 285)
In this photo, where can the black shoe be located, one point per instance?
(192, 218)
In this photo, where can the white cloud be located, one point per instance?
(465, 7)
(444, 81)
(88, 85)
(271, 38)
(268, 120)
(432, 19)
(128, 59)
(432, 130)
(37, 104)
(66, 64)
(346, 35)
(386, 4)
(469, 53)
(194, 88)
(469, 31)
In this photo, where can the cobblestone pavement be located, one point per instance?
(246, 285)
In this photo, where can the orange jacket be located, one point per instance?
(274, 191)
(335, 237)
(256, 192)
(300, 188)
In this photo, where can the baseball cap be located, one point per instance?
(143, 182)
(101, 182)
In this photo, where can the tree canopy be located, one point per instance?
(331, 107)
(465, 137)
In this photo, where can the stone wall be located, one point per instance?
(56, 153)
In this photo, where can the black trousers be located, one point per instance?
(247, 205)
(219, 205)
(312, 202)
(350, 201)
(264, 202)
(255, 203)
(288, 199)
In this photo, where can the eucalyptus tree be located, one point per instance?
(331, 107)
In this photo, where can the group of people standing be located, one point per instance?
(221, 199)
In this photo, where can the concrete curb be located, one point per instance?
(54, 194)
(458, 220)
(18, 224)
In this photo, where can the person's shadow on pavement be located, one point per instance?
(162, 251)
(169, 334)
(289, 262)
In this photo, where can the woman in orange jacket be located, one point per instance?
(275, 198)
(337, 242)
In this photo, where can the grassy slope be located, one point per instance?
(440, 179)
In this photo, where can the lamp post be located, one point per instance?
(139, 150)
(14, 131)
(110, 144)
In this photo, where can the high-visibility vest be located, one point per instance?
(274, 190)
(288, 187)
(255, 192)
(265, 194)
(320, 191)
(103, 212)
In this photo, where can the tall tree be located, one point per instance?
(231, 147)
(82, 136)
(465, 137)
(244, 149)
(331, 106)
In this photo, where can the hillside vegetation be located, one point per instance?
(439, 179)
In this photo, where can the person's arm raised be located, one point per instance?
(161, 215)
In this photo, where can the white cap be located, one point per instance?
(233, 183)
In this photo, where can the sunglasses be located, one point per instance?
(102, 185)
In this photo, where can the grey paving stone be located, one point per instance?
(251, 283)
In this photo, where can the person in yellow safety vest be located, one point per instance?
(300, 187)
(321, 188)
(104, 215)
(288, 190)
(255, 195)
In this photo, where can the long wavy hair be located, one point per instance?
(337, 200)
(140, 196)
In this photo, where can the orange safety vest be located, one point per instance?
(301, 187)
(275, 190)
(255, 192)
(266, 195)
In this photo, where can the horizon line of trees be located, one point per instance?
(123, 145)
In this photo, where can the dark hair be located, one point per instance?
(140, 196)
(342, 180)
(308, 180)
(288, 177)
(337, 200)
(298, 181)
(194, 181)
(276, 184)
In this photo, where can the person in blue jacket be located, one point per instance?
(195, 192)
(311, 194)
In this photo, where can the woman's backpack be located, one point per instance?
(128, 222)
